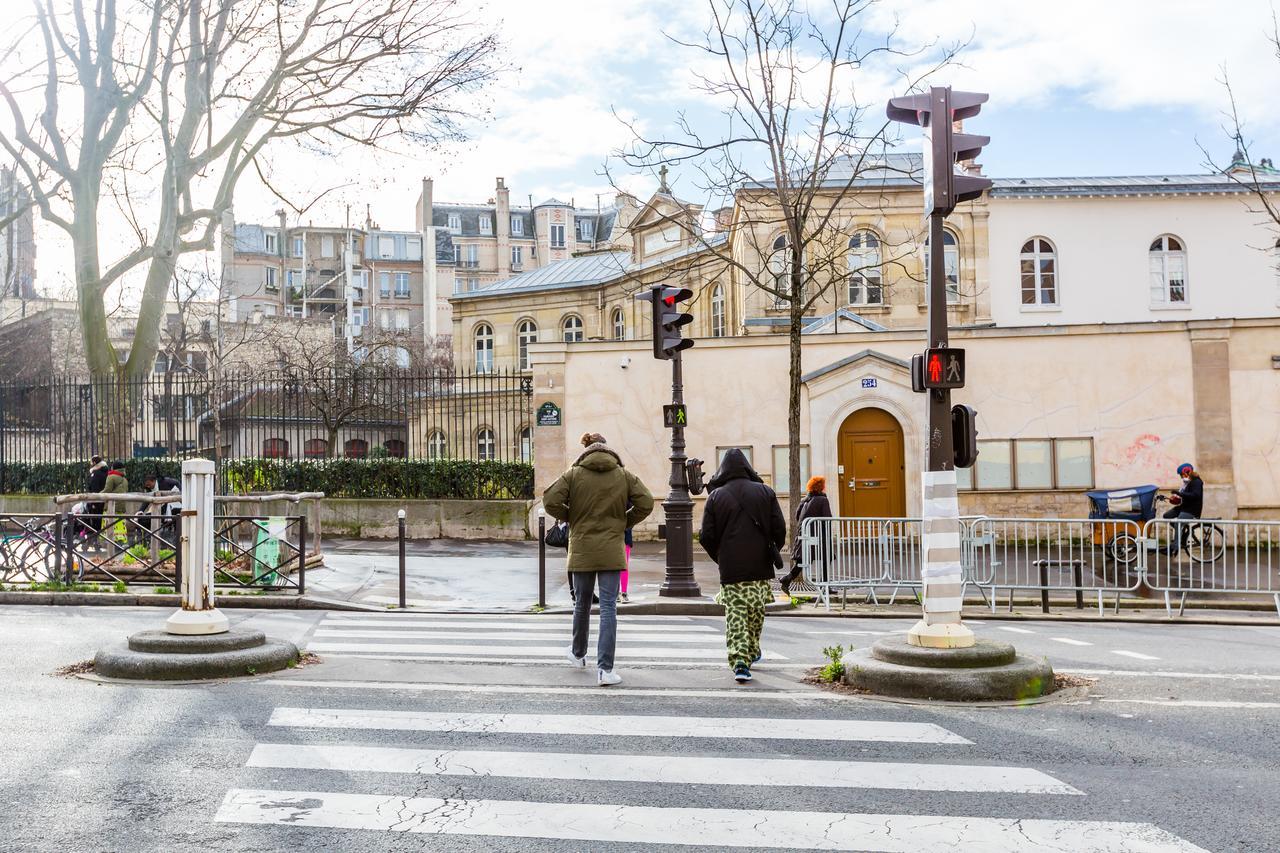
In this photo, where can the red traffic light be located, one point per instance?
(943, 368)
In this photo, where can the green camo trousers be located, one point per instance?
(744, 619)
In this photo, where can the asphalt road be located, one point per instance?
(425, 746)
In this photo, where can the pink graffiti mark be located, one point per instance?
(1140, 445)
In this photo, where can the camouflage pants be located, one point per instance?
(744, 619)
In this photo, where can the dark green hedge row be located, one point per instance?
(61, 478)
(339, 478)
(384, 478)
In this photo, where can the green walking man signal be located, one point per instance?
(675, 416)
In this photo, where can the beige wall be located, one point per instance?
(1128, 388)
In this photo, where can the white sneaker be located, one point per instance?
(574, 659)
(605, 679)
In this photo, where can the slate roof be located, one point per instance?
(572, 272)
(470, 216)
(1128, 185)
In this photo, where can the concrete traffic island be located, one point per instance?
(984, 671)
(197, 641)
(161, 656)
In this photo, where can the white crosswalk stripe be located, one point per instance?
(710, 758)
(528, 638)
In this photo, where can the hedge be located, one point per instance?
(384, 478)
(339, 478)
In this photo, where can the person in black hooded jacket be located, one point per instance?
(743, 530)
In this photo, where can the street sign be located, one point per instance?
(675, 416)
(548, 415)
(943, 368)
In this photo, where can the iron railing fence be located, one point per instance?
(280, 418)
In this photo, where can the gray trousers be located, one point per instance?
(583, 586)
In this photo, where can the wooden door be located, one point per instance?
(872, 474)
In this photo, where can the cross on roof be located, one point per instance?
(662, 178)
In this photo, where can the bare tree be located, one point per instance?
(178, 100)
(797, 157)
(1258, 176)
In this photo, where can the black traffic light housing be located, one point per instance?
(667, 319)
(693, 468)
(964, 435)
(936, 112)
(938, 369)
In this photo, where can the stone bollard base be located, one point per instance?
(986, 671)
(161, 656)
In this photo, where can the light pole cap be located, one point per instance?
(400, 514)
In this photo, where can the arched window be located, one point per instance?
(1039, 268)
(1168, 264)
(864, 269)
(619, 325)
(780, 269)
(355, 448)
(526, 333)
(315, 448)
(275, 448)
(526, 444)
(437, 446)
(394, 447)
(484, 348)
(486, 446)
(572, 328)
(718, 324)
(950, 264)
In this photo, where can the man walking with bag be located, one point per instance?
(600, 499)
(743, 530)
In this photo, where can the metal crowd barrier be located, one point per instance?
(1087, 557)
(1203, 557)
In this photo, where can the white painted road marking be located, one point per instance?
(414, 622)
(710, 827)
(1197, 703)
(559, 660)
(1135, 655)
(1151, 673)
(585, 692)
(549, 652)
(660, 769)
(410, 634)
(588, 725)
(1014, 630)
(1070, 642)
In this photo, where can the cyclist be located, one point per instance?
(1188, 502)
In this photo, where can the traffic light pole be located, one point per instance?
(940, 569)
(678, 506)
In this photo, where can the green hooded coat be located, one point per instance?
(593, 497)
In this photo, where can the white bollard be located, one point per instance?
(198, 615)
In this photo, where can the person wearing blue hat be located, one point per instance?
(1188, 502)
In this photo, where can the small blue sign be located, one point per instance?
(869, 383)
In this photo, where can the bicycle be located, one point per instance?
(1206, 542)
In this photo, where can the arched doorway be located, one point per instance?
(872, 466)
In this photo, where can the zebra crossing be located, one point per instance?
(531, 639)
(367, 769)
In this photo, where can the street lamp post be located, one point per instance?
(678, 507)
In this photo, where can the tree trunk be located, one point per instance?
(794, 368)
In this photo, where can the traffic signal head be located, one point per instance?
(936, 112)
(668, 319)
(940, 368)
(964, 435)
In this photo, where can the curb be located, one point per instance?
(125, 599)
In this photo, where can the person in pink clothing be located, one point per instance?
(627, 540)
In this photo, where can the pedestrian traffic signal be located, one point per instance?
(940, 368)
(936, 112)
(964, 435)
(668, 319)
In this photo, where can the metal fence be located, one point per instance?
(276, 416)
(62, 548)
(1083, 557)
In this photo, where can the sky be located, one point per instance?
(1077, 88)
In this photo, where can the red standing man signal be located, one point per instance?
(935, 367)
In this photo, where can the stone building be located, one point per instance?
(1115, 327)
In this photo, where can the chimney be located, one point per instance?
(502, 227)
(425, 210)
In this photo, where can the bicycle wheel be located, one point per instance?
(1124, 549)
(38, 560)
(1206, 543)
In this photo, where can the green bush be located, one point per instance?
(384, 478)
(62, 478)
(338, 478)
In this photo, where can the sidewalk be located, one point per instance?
(446, 574)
